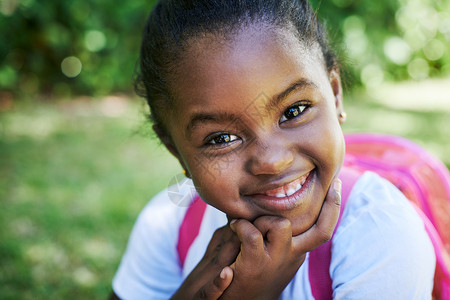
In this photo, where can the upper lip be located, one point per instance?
(274, 184)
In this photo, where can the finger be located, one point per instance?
(322, 230)
(252, 241)
(220, 237)
(277, 232)
(216, 239)
(223, 247)
(228, 250)
(215, 288)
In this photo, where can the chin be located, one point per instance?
(301, 228)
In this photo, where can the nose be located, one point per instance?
(270, 159)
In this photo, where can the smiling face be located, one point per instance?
(255, 123)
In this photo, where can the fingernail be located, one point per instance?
(232, 224)
(337, 185)
(223, 274)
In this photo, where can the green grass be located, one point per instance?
(72, 182)
(74, 175)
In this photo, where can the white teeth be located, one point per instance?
(290, 192)
(288, 189)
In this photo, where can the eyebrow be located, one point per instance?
(209, 117)
(298, 85)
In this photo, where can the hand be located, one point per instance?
(212, 275)
(212, 290)
(270, 256)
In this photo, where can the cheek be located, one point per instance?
(216, 180)
(331, 139)
(325, 142)
(212, 170)
(339, 146)
(326, 147)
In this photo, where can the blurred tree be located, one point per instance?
(390, 40)
(64, 47)
(58, 48)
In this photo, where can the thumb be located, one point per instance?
(322, 230)
(215, 288)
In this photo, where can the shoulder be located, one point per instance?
(375, 196)
(381, 248)
(159, 220)
(150, 267)
(164, 212)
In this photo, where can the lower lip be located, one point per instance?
(271, 203)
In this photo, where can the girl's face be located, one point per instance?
(255, 123)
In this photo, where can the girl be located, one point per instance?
(247, 96)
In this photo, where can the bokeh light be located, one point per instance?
(71, 66)
(397, 50)
(94, 40)
(434, 50)
(372, 76)
(354, 36)
(8, 7)
(418, 69)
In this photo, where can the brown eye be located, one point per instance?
(292, 112)
(222, 138)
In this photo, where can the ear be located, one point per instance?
(335, 81)
(167, 141)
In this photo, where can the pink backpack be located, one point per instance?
(423, 179)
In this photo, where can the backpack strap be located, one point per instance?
(441, 288)
(190, 227)
(320, 258)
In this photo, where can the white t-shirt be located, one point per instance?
(380, 249)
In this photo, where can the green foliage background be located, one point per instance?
(379, 40)
(75, 174)
(36, 36)
(390, 40)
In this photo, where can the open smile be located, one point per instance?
(286, 197)
(287, 189)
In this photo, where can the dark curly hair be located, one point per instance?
(172, 24)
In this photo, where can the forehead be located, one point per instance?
(256, 59)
